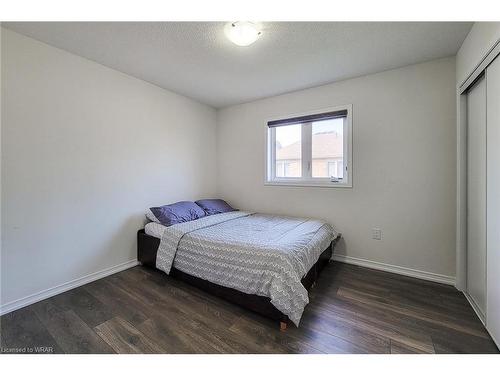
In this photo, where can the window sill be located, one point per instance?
(321, 184)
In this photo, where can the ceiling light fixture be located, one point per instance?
(242, 33)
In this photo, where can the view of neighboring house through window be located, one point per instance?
(289, 151)
(309, 149)
(328, 148)
(335, 169)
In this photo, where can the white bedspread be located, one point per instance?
(254, 253)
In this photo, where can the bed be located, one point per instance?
(265, 263)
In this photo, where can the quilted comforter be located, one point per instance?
(254, 253)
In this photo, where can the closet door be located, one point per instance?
(476, 194)
(493, 199)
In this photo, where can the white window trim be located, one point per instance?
(309, 182)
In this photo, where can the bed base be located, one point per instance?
(147, 247)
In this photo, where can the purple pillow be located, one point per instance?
(214, 206)
(179, 212)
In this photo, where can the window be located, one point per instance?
(312, 149)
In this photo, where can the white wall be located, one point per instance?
(404, 167)
(85, 149)
(481, 37)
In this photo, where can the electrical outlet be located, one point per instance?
(377, 234)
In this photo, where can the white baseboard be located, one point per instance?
(424, 275)
(497, 343)
(480, 315)
(476, 308)
(25, 301)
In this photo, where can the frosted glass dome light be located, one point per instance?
(242, 33)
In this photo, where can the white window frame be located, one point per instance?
(307, 179)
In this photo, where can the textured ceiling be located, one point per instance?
(196, 60)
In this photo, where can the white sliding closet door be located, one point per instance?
(493, 199)
(476, 194)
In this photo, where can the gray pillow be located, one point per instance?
(214, 206)
(175, 213)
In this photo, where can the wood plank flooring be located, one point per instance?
(351, 310)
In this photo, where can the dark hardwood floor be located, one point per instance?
(351, 310)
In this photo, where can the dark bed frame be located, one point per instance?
(147, 246)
